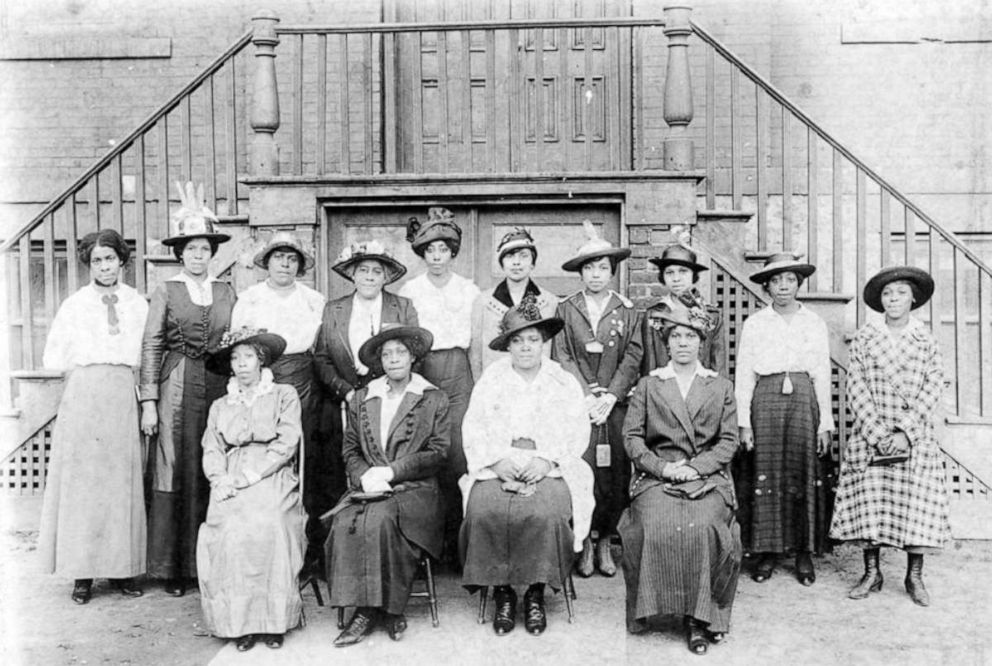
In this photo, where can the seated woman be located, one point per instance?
(395, 445)
(524, 434)
(681, 542)
(250, 548)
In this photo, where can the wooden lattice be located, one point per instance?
(25, 471)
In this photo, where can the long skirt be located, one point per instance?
(370, 562)
(450, 371)
(610, 481)
(507, 539)
(93, 516)
(785, 492)
(179, 490)
(680, 557)
(250, 551)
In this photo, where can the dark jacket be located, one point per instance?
(333, 355)
(618, 367)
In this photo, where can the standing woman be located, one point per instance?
(892, 490)
(187, 317)
(785, 418)
(250, 547)
(443, 300)
(601, 345)
(347, 324)
(678, 272)
(681, 542)
(517, 256)
(93, 517)
(395, 447)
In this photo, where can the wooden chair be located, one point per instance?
(306, 577)
(569, 592)
(429, 592)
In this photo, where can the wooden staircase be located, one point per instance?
(290, 117)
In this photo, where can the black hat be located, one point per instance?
(525, 315)
(440, 225)
(422, 339)
(518, 239)
(695, 318)
(919, 280)
(678, 255)
(219, 361)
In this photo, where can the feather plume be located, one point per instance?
(412, 227)
(590, 230)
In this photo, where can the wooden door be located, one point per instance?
(557, 231)
(510, 100)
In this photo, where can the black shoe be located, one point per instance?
(695, 636)
(804, 569)
(535, 619)
(763, 570)
(715, 637)
(82, 591)
(272, 641)
(175, 587)
(127, 587)
(506, 610)
(396, 626)
(872, 579)
(914, 580)
(361, 625)
(246, 642)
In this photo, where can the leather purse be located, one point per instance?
(689, 489)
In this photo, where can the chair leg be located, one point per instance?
(571, 585)
(431, 592)
(316, 591)
(341, 617)
(483, 598)
(569, 595)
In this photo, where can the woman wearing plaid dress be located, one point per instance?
(892, 490)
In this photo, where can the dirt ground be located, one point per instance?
(775, 622)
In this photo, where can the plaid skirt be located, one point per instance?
(782, 486)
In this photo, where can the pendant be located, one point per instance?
(787, 385)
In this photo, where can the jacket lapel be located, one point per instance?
(674, 401)
(342, 323)
(390, 309)
(698, 395)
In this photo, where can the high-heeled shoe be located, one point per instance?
(505, 618)
(586, 565)
(765, 567)
(535, 619)
(82, 591)
(871, 581)
(914, 580)
(361, 625)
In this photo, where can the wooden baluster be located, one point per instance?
(935, 306)
(140, 218)
(677, 106)
(786, 181)
(861, 251)
(264, 117)
(344, 105)
(710, 148)
(297, 129)
(837, 194)
(910, 233)
(117, 194)
(210, 150)
(231, 140)
(960, 322)
(71, 236)
(27, 325)
(163, 178)
(48, 257)
(885, 226)
(812, 203)
(389, 104)
(760, 175)
(736, 140)
(984, 346)
(94, 200)
(186, 139)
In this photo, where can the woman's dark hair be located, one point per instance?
(666, 332)
(614, 262)
(533, 255)
(105, 238)
(261, 351)
(417, 352)
(661, 274)
(453, 245)
(799, 278)
(179, 248)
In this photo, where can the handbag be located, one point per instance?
(887, 459)
(690, 489)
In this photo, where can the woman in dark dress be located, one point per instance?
(186, 318)
(394, 448)
(681, 541)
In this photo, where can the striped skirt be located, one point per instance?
(680, 557)
(784, 491)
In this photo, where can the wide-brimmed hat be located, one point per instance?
(219, 360)
(440, 225)
(192, 219)
(695, 318)
(283, 240)
(678, 255)
(517, 239)
(354, 254)
(526, 314)
(421, 338)
(782, 262)
(919, 281)
(595, 247)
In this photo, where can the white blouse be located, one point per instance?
(81, 335)
(446, 311)
(293, 313)
(366, 320)
(668, 372)
(201, 293)
(379, 388)
(770, 344)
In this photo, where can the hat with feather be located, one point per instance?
(595, 247)
(192, 219)
(525, 314)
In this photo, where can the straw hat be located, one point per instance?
(782, 262)
(595, 247)
(354, 254)
(192, 219)
(283, 240)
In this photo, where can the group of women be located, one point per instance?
(510, 432)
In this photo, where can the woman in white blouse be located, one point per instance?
(93, 518)
(785, 418)
(444, 300)
(525, 432)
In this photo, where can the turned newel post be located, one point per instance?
(265, 102)
(678, 90)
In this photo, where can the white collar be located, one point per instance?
(235, 394)
(668, 371)
(378, 387)
(359, 303)
(183, 276)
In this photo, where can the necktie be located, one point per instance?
(112, 320)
